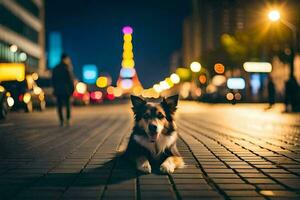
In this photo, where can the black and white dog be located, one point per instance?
(153, 139)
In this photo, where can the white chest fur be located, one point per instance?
(158, 147)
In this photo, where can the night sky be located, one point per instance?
(91, 32)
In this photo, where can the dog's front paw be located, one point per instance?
(167, 167)
(144, 167)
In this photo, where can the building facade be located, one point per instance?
(22, 33)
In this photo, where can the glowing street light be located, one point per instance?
(195, 66)
(274, 15)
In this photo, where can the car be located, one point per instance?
(4, 99)
(46, 84)
(26, 94)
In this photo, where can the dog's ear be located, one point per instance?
(137, 101)
(171, 103)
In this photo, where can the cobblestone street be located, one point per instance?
(231, 152)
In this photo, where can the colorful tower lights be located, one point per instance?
(128, 80)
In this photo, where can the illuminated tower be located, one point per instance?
(128, 80)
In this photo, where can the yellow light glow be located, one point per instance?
(169, 81)
(263, 67)
(157, 88)
(127, 55)
(219, 80)
(12, 71)
(41, 96)
(127, 37)
(183, 73)
(35, 76)
(137, 90)
(117, 92)
(10, 101)
(128, 63)
(274, 15)
(102, 82)
(37, 90)
(195, 66)
(26, 97)
(164, 85)
(175, 78)
(127, 46)
(2, 89)
(229, 96)
(110, 90)
(81, 87)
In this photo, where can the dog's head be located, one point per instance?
(154, 118)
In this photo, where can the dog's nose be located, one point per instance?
(152, 127)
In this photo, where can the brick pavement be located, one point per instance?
(238, 152)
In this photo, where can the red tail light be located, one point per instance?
(21, 97)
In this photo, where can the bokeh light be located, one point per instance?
(195, 66)
(219, 68)
(175, 78)
(102, 82)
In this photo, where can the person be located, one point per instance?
(291, 94)
(271, 92)
(63, 85)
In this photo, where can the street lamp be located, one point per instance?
(274, 16)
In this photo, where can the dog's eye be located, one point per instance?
(146, 116)
(160, 115)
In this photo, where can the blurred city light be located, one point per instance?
(126, 84)
(175, 78)
(169, 81)
(10, 101)
(55, 48)
(236, 83)
(81, 87)
(97, 95)
(229, 96)
(219, 68)
(26, 97)
(13, 48)
(195, 66)
(164, 85)
(202, 79)
(238, 96)
(90, 73)
(127, 72)
(263, 67)
(37, 90)
(35, 76)
(2, 89)
(12, 71)
(183, 73)
(102, 82)
(219, 80)
(23, 56)
(157, 88)
(255, 83)
(127, 30)
(274, 15)
(117, 92)
(137, 90)
(110, 90)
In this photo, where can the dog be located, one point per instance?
(153, 139)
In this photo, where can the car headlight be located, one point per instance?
(10, 101)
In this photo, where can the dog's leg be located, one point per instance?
(171, 163)
(143, 164)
